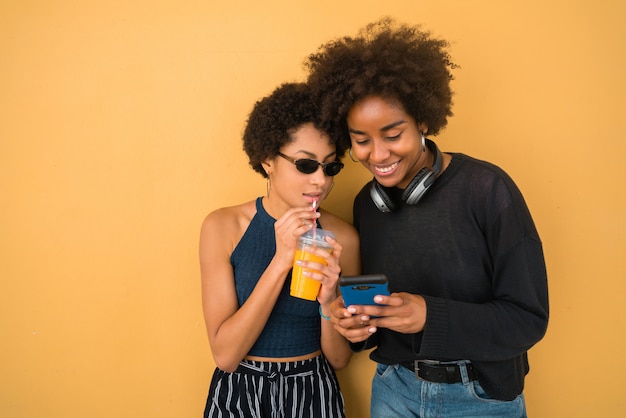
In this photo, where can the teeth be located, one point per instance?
(387, 169)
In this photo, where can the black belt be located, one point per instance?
(437, 372)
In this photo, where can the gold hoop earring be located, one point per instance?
(268, 186)
(329, 189)
(352, 156)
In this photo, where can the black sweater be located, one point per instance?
(471, 249)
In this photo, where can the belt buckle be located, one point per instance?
(417, 368)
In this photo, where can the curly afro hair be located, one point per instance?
(275, 118)
(394, 61)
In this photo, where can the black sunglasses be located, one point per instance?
(308, 166)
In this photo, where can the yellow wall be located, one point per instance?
(120, 127)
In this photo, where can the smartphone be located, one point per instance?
(360, 290)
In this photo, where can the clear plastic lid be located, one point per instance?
(316, 237)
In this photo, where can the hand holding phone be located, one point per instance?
(360, 290)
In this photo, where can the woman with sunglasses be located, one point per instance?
(276, 354)
(452, 233)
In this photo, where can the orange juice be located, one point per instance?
(302, 286)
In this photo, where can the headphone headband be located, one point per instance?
(438, 162)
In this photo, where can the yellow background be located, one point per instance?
(120, 126)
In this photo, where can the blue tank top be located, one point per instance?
(293, 328)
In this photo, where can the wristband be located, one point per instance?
(324, 316)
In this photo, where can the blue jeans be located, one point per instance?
(396, 392)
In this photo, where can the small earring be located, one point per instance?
(423, 142)
(268, 186)
(352, 156)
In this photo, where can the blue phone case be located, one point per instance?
(360, 290)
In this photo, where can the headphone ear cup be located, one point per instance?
(382, 201)
(424, 178)
(416, 188)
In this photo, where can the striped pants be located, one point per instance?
(300, 389)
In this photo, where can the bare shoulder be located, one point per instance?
(228, 224)
(345, 231)
(348, 237)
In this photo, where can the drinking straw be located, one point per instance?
(313, 205)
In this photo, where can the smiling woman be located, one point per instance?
(465, 261)
(256, 330)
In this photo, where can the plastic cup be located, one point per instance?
(301, 286)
